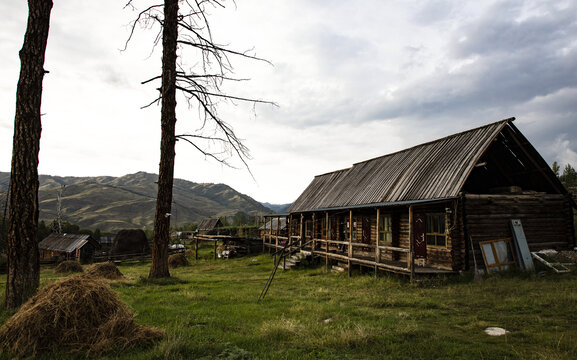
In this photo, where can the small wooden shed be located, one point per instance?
(425, 209)
(68, 247)
(209, 226)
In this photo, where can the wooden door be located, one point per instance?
(419, 236)
(366, 230)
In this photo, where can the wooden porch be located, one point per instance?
(352, 253)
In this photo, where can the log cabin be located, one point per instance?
(77, 247)
(426, 209)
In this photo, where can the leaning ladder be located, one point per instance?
(283, 253)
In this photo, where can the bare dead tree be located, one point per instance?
(23, 258)
(188, 28)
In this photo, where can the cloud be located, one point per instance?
(354, 80)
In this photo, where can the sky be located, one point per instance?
(353, 80)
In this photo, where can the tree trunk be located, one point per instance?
(159, 267)
(23, 259)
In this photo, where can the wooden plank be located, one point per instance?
(523, 253)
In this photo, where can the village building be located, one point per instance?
(276, 225)
(209, 227)
(68, 247)
(428, 209)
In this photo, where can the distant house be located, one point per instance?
(68, 247)
(427, 208)
(209, 227)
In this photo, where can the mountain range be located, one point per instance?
(115, 203)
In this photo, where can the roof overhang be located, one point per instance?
(383, 204)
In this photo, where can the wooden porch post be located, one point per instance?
(377, 250)
(327, 241)
(411, 260)
(314, 235)
(301, 235)
(277, 226)
(350, 253)
(264, 236)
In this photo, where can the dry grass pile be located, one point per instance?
(176, 260)
(74, 315)
(105, 270)
(69, 266)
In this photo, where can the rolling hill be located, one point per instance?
(111, 204)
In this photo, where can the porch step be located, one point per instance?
(293, 260)
(337, 269)
(340, 267)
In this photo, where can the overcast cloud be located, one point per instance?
(353, 80)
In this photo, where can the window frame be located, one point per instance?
(385, 227)
(435, 231)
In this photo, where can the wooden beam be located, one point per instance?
(314, 236)
(411, 260)
(326, 242)
(378, 250)
(350, 252)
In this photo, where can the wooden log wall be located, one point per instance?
(547, 220)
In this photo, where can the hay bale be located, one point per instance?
(105, 270)
(69, 266)
(74, 315)
(130, 242)
(176, 260)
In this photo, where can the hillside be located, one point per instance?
(111, 203)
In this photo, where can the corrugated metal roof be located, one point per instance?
(209, 224)
(267, 225)
(434, 170)
(63, 242)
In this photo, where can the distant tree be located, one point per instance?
(188, 28)
(23, 257)
(239, 219)
(555, 168)
(43, 230)
(569, 177)
(224, 221)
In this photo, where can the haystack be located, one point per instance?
(105, 270)
(130, 242)
(176, 260)
(69, 266)
(74, 315)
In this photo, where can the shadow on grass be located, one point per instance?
(144, 281)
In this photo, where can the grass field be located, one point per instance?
(209, 310)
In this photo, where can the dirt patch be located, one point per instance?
(105, 270)
(568, 256)
(68, 266)
(74, 315)
(177, 260)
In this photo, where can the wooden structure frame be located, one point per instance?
(77, 247)
(434, 196)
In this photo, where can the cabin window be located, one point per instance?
(385, 228)
(308, 228)
(348, 229)
(435, 234)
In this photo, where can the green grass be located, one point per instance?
(209, 310)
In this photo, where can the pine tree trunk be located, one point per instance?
(159, 267)
(23, 258)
